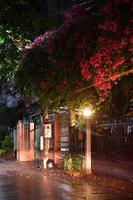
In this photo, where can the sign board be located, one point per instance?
(47, 130)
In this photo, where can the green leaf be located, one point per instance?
(2, 40)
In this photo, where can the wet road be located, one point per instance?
(40, 187)
(19, 181)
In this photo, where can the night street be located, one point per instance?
(66, 100)
(24, 182)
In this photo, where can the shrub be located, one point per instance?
(2, 152)
(3, 133)
(68, 162)
(7, 144)
(73, 162)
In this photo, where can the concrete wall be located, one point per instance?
(25, 153)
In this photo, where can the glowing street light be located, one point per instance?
(87, 112)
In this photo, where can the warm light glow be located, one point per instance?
(87, 112)
(41, 143)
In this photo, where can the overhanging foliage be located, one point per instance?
(83, 59)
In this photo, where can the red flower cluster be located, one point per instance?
(113, 47)
(43, 85)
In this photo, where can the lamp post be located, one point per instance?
(87, 112)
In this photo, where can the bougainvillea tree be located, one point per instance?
(84, 57)
(112, 55)
(51, 68)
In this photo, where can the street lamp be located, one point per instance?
(87, 112)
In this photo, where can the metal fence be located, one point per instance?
(112, 148)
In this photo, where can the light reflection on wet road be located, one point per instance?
(40, 187)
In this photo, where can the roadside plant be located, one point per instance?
(73, 162)
(2, 152)
(3, 133)
(7, 144)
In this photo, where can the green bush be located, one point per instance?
(73, 162)
(2, 152)
(7, 144)
(3, 133)
(68, 162)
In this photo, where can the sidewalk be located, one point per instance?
(100, 177)
(9, 166)
(116, 168)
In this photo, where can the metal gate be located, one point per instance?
(112, 148)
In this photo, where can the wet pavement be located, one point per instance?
(23, 182)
